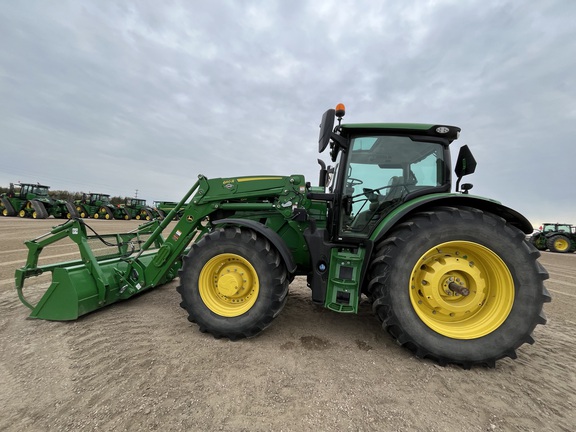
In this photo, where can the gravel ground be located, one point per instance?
(140, 365)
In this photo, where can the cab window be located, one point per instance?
(380, 172)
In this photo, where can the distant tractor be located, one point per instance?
(165, 207)
(556, 237)
(33, 200)
(95, 205)
(136, 208)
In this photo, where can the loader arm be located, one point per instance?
(143, 259)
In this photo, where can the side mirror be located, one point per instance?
(465, 164)
(326, 127)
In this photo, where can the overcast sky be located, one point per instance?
(119, 96)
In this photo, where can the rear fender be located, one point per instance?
(267, 232)
(451, 200)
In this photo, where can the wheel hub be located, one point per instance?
(462, 290)
(228, 285)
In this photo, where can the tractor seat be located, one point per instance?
(395, 191)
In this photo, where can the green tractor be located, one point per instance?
(165, 207)
(556, 237)
(449, 276)
(95, 205)
(33, 200)
(135, 208)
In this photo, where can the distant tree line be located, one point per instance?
(69, 196)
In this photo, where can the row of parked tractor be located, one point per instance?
(34, 201)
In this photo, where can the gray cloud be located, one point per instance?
(113, 97)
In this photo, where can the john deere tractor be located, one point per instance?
(449, 275)
(33, 200)
(556, 237)
(95, 205)
(135, 208)
(164, 207)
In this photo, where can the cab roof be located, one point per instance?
(441, 131)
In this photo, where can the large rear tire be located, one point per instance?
(7, 209)
(39, 210)
(233, 283)
(412, 277)
(71, 211)
(559, 243)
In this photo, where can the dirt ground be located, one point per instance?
(140, 365)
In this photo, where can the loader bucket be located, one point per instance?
(109, 269)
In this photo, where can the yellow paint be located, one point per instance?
(258, 178)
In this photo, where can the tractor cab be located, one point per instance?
(379, 166)
(31, 191)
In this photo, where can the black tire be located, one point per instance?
(559, 243)
(7, 209)
(71, 211)
(39, 210)
(106, 213)
(216, 257)
(409, 277)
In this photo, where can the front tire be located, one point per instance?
(411, 285)
(233, 283)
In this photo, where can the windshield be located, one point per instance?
(381, 171)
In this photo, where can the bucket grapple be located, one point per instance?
(109, 269)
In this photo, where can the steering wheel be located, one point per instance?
(353, 182)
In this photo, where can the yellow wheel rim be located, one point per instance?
(4, 212)
(470, 265)
(228, 285)
(561, 244)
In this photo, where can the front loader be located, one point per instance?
(449, 275)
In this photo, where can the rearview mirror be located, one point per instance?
(326, 127)
(465, 164)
